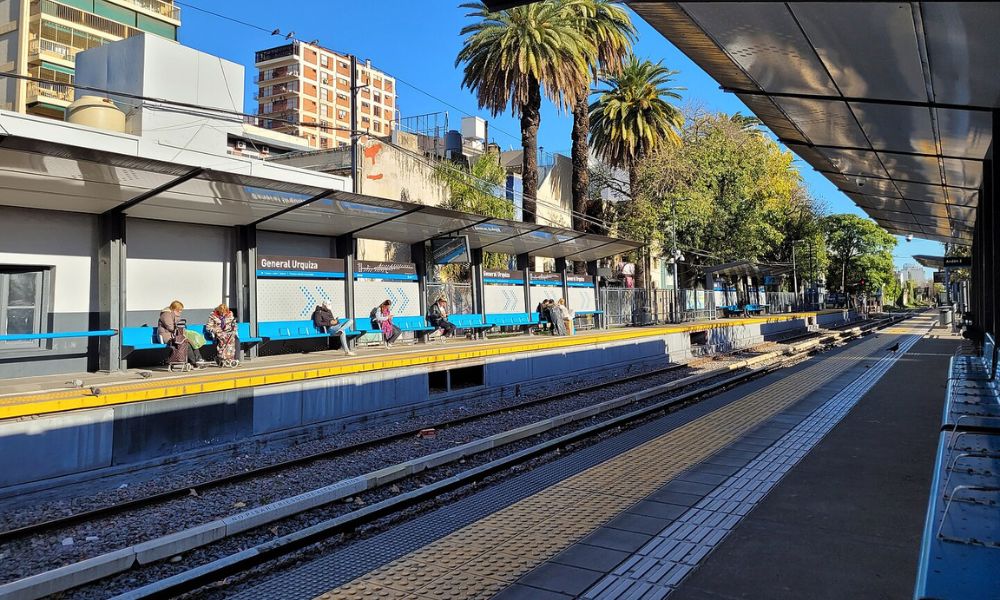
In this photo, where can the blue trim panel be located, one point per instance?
(276, 274)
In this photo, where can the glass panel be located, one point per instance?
(20, 320)
(23, 289)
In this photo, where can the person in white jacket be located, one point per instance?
(567, 315)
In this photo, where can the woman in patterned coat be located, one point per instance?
(222, 326)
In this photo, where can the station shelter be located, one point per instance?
(97, 236)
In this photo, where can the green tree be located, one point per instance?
(633, 116)
(609, 27)
(726, 191)
(860, 250)
(478, 189)
(512, 57)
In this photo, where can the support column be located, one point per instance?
(599, 320)
(246, 279)
(561, 269)
(418, 254)
(478, 287)
(524, 263)
(111, 289)
(346, 247)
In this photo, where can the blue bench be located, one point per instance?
(293, 330)
(959, 557)
(512, 319)
(26, 337)
(145, 338)
(416, 324)
(735, 310)
(469, 322)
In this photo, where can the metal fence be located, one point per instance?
(459, 296)
(630, 307)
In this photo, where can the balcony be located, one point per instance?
(73, 15)
(276, 75)
(51, 50)
(50, 93)
(157, 7)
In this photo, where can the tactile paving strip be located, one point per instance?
(540, 525)
(658, 567)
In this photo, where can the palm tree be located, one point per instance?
(512, 57)
(608, 26)
(633, 115)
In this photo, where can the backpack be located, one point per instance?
(374, 319)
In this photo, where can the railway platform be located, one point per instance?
(809, 482)
(56, 427)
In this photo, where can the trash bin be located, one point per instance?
(945, 314)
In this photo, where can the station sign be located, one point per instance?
(547, 277)
(371, 269)
(509, 277)
(957, 262)
(299, 266)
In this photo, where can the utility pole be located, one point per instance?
(355, 163)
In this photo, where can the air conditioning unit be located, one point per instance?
(241, 145)
(264, 150)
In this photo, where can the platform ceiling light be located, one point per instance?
(909, 237)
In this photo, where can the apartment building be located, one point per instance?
(305, 83)
(41, 38)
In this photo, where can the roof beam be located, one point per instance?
(893, 179)
(121, 208)
(392, 218)
(288, 209)
(462, 228)
(509, 238)
(791, 143)
(576, 237)
(851, 99)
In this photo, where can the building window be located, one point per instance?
(342, 114)
(377, 126)
(377, 97)
(378, 111)
(22, 304)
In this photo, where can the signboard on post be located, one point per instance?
(939, 277)
(957, 262)
(299, 267)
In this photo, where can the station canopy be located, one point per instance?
(43, 174)
(892, 102)
(931, 262)
(746, 268)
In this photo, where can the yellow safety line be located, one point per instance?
(38, 403)
(485, 557)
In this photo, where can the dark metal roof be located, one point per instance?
(48, 175)
(890, 101)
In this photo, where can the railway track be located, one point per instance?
(355, 518)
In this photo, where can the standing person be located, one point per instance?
(437, 316)
(222, 327)
(558, 321)
(325, 322)
(170, 330)
(381, 317)
(628, 274)
(567, 315)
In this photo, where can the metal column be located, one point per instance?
(111, 289)
(599, 319)
(418, 254)
(524, 263)
(561, 269)
(246, 279)
(346, 246)
(478, 287)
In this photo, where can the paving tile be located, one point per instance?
(661, 510)
(524, 592)
(590, 557)
(638, 523)
(677, 498)
(617, 539)
(699, 476)
(687, 487)
(563, 579)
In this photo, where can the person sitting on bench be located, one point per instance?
(325, 322)
(381, 318)
(437, 316)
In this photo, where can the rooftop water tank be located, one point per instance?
(93, 111)
(453, 144)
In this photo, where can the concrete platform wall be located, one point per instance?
(141, 433)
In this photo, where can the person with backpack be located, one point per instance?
(381, 318)
(544, 324)
(325, 322)
(437, 316)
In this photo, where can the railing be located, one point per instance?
(80, 17)
(61, 50)
(166, 9)
(50, 90)
(627, 307)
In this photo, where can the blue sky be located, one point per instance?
(418, 47)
